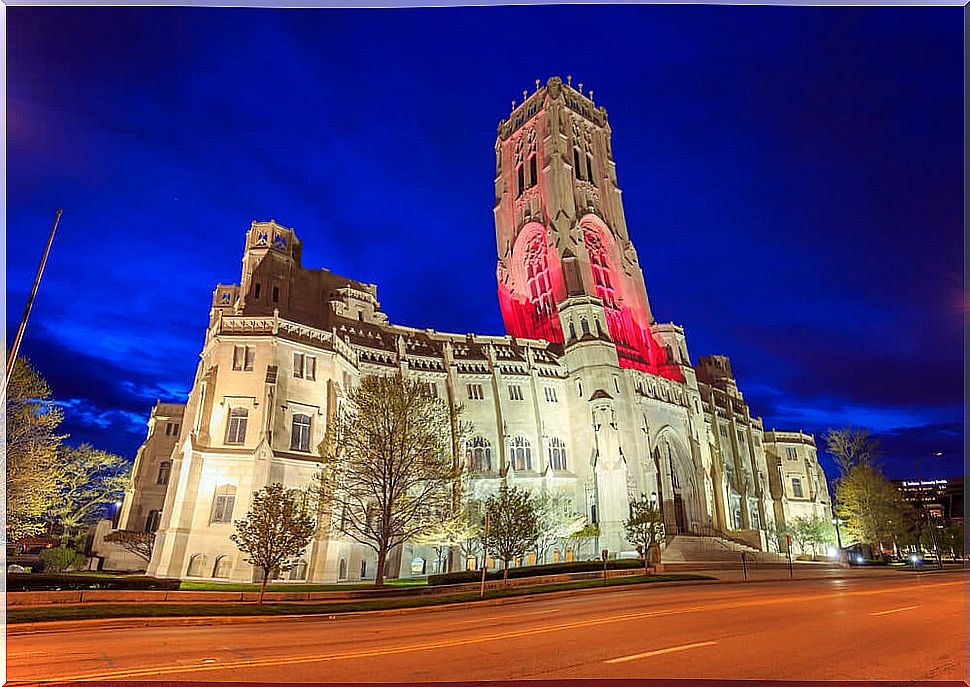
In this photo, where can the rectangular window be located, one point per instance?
(741, 436)
(298, 365)
(256, 292)
(551, 396)
(222, 507)
(521, 180)
(577, 170)
(533, 172)
(515, 392)
(300, 436)
(243, 357)
(589, 170)
(475, 392)
(792, 454)
(796, 487)
(168, 429)
(164, 471)
(724, 432)
(236, 431)
(276, 294)
(310, 369)
(433, 389)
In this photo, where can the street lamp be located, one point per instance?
(922, 506)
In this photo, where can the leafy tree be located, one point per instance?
(31, 451)
(589, 533)
(134, 541)
(513, 525)
(448, 533)
(645, 528)
(557, 520)
(811, 532)
(873, 509)
(388, 464)
(88, 480)
(277, 528)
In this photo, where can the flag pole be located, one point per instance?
(12, 358)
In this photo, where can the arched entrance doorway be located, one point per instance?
(680, 497)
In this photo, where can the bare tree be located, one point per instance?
(388, 466)
(277, 528)
(851, 447)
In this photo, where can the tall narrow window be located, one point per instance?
(521, 451)
(533, 172)
(796, 487)
(153, 520)
(577, 170)
(792, 454)
(256, 291)
(300, 436)
(250, 358)
(515, 392)
(589, 170)
(298, 365)
(276, 294)
(557, 453)
(572, 330)
(584, 325)
(479, 454)
(600, 266)
(537, 274)
(310, 367)
(164, 470)
(223, 503)
(236, 431)
(520, 171)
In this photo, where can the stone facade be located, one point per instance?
(798, 484)
(587, 394)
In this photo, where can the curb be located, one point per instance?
(53, 626)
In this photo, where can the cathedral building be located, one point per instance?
(586, 394)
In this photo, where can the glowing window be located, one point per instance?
(557, 453)
(521, 453)
(479, 454)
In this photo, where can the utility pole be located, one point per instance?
(30, 302)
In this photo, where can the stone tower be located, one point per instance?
(566, 266)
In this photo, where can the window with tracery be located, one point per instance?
(521, 453)
(600, 266)
(557, 453)
(537, 275)
(479, 453)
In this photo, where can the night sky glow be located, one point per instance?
(791, 179)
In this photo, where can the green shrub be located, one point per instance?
(465, 576)
(28, 582)
(61, 559)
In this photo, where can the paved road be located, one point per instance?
(905, 626)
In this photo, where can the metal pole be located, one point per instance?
(744, 566)
(484, 555)
(791, 570)
(30, 302)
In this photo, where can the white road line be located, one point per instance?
(894, 610)
(658, 652)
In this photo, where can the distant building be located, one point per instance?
(587, 394)
(942, 499)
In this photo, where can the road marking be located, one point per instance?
(448, 643)
(895, 610)
(658, 652)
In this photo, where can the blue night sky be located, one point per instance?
(792, 180)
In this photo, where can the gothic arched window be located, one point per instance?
(557, 453)
(600, 265)
(537, 274)
(222, 567)
(521, 453)
(479, 453)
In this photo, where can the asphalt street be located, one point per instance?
(908, 626)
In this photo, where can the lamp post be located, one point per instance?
(922, 506)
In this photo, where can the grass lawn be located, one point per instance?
(194, 586)
(145, 610)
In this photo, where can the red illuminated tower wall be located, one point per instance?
(556, 203)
